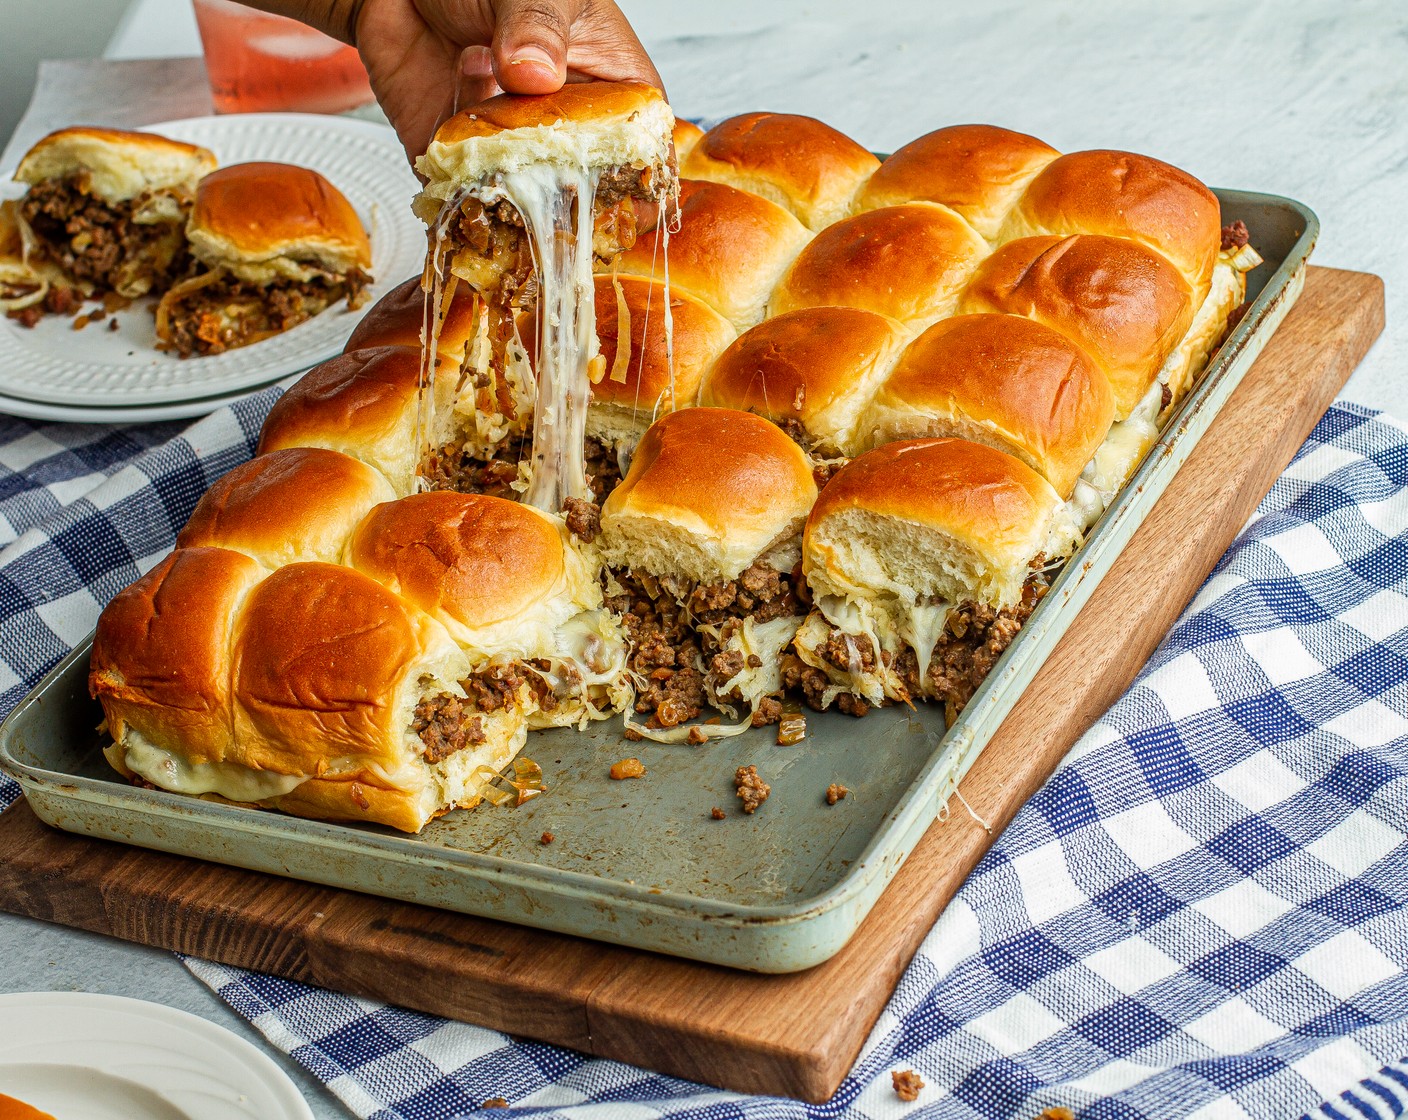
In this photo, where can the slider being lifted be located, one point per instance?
(522, 193)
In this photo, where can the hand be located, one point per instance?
(429, 58)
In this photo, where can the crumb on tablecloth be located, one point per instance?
(907, 1084)
(546, 838)
(627, 768)
(752, 790)
(834, 792)
(495, 1102)
(1057, 1112)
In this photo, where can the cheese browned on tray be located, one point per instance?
(922, 381)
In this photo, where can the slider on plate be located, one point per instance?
(107, 208)
(272, 246)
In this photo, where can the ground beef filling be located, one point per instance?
(455, 468)
(583, 519)
(603, 467)
(974, 637)
(56, 301)
(446, 724)
(99, 242)
(222, 313)
(667, 651)
(1235, 236)
(459, 469)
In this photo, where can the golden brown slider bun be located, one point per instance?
(161, 663)
(301, 503)
(120, 165)
(976, 169)
(266, 221)
(797, 162)
(636, 386)
(1004, 381)
(942, 518)
(397, 319)
(501, 578)
(1125, 305)
(816, 367)
(484, 567)
(1126, 195)
(584, 125)
(908, 262)
(730, 250)
(709, 492)
(686, 135)
(362, 404)
(329, 667)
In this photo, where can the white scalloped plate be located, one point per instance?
(81, 1056)
(94, 367)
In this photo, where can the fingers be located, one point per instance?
(531, 43)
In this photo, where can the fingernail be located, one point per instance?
(534, 55)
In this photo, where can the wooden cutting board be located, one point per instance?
(791, 1035)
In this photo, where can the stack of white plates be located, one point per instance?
(99, 375)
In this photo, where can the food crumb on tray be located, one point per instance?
(752, 790)
(835, 792)
(716, 813)
(627, 768)
(907, 1084)
(546, 838)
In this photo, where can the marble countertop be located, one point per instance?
(1306, 98)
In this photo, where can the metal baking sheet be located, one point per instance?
(640, 862)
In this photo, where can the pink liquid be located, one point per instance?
(262, 63)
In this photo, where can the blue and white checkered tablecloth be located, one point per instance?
(1203, 913)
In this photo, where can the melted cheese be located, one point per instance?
(763, 640)
(230, 780)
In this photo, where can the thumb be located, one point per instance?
(530, 44)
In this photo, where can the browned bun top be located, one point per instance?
(941, 482)
(802, 364)
(975, 169)
(686, 135)
(161, 653)
(300, 503)
(1009, 379)
(255, 210)
(638, 374)
(730, 249)
(476, 559)
(575, 101)
(908, 262)
(319, 656)
(126, 140)
(1125, 305)
(797, 162)
(396, 319)
(361, 396)
(1126, 195)
(721, 470)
